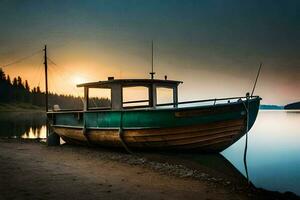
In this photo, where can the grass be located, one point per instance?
(19, 107)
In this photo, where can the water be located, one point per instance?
(273, 146)
(273, 157)
(23, 125)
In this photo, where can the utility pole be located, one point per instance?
(53, 138)
(46, 77)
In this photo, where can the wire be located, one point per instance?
(21, 59)
(40, 76)
(51, 61)
(57, 90)
(61, 74)
(38, 73)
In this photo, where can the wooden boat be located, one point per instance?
(209, 125)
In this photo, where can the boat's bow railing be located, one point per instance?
(214, 101)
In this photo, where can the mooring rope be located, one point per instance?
(246, 142)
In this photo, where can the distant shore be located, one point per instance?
(31, 170)
(20, 107)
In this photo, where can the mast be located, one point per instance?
(46, 77)
(256, 79)
(152, 73)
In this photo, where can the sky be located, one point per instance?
(213, 46)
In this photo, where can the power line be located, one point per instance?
(22, 59)
(51, 61)
(40, 76)
(61, 75)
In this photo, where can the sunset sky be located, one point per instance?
(213, 46)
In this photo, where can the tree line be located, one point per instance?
(19, 91)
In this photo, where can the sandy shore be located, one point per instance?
(31, 170)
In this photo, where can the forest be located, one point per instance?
(19, 91)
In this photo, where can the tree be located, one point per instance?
(17, 91)
(15, 82)
(8, 80)
(2, 75)
(19, 83)
(38, 90)
(27, 86)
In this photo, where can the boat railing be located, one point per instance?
(214, 101)
(80, 110)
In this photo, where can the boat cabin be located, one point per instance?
(117, 86)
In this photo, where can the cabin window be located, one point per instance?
(135, 96)
(99, 98)
(164, 95)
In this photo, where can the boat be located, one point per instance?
(210, 125)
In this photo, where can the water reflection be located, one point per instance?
(33, 133)
(22, 125)
(273, 151)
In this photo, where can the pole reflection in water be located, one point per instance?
(35, 133)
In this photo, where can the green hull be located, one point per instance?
(161, 119)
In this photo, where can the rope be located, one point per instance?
(246, 142)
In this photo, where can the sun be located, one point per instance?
(77, 79)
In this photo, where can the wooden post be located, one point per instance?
(154, 96)
(175, 96)
(86, 99)
(116, 97)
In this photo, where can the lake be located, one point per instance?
(273, 156)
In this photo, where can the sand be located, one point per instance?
(31, 170)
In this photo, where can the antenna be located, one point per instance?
(152, 73)
(256, 79)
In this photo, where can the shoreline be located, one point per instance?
(178, 175)
(20, 107)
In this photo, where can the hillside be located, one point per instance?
(16, 95)
(270, 107)
(292, 106)
(20, 107)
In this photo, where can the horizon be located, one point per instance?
(214, 47)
